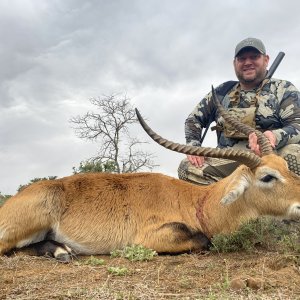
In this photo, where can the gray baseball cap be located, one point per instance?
(251, 43)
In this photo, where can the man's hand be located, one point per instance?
(197, 161)
(253, 141)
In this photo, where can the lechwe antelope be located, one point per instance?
(97, 213)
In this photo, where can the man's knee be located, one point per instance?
(197, 175)
(291, 153)
(190, 173)
(183, 169)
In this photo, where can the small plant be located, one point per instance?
(290, 243)
(212, 296)
(135, 253)
(185, 283)
(119, 296)
(93, 261)
(118, 271)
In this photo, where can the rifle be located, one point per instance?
(269, 74)
(275, 64)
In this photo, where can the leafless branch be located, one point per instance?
(110, 126)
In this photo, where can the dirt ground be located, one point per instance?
(256, 275)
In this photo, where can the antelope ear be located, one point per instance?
(237, 185)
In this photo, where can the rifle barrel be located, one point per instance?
(275, 64)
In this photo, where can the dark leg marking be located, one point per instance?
(183, 233)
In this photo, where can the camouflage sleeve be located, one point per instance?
(289, 115)
(197, 120)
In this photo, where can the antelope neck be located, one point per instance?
(201, 218)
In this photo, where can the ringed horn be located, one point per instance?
(264, 144)
(245, 157)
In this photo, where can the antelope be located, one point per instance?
(97, 213)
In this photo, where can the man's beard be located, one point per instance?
(256, 79)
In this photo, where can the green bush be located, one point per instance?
(94, 167)
(264, 233)
(37, 179)
(3, 198)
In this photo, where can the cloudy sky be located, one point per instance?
(163, 54)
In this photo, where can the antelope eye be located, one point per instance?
(267, 178)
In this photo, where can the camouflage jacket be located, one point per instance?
(277, 105)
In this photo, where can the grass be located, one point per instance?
(118, 271)
(125, 275)
(264, 233)
(93, 261)
(135, 253)
(132, 253)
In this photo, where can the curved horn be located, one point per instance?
(264, 143)
(245, 157)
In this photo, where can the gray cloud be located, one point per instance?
(164, 55)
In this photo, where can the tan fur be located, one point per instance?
(97, 213)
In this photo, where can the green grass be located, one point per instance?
(93, 261)
(135, 253)
(117, 271)
(264, 233)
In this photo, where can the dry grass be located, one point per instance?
(194, 276)
(261, 272)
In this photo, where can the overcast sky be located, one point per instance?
(163, 54)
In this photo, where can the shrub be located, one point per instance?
(266, 233)
(3, 198)
(135, 253)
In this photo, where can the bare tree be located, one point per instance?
(110, 125)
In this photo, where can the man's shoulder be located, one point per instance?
(225, 87)
(277, 80)
(282, 84)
